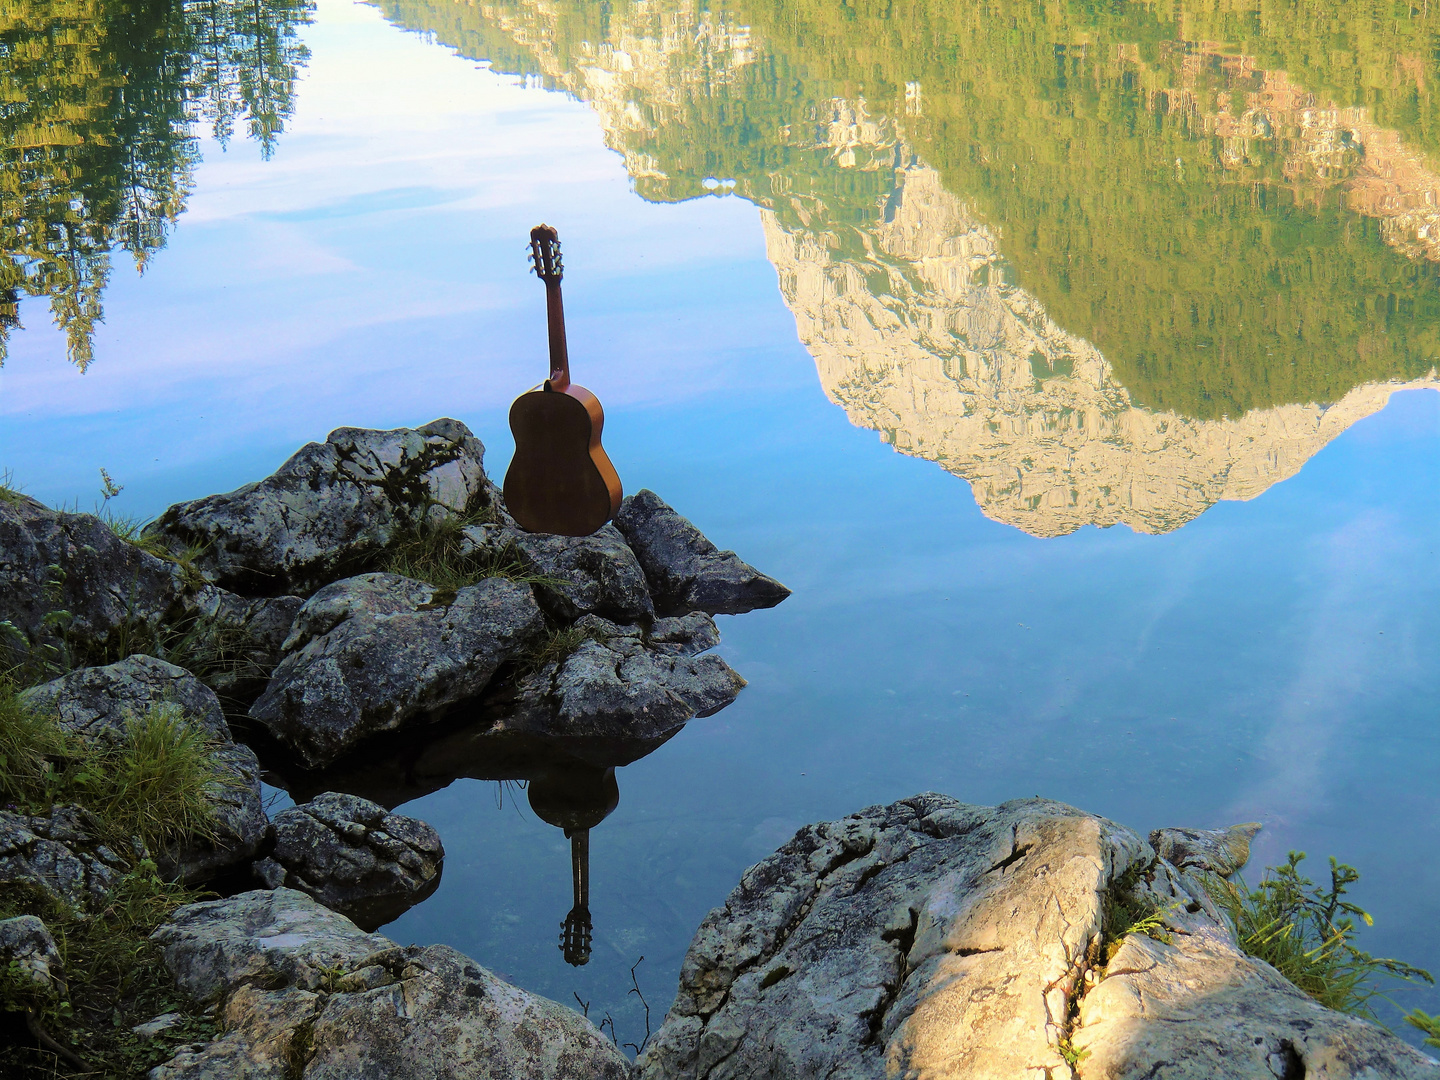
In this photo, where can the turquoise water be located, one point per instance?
(1261, 652)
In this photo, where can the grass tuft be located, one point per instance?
(1430, 1025)
(132, 531)
(438, 554)
(1307, 933)
(557, 645)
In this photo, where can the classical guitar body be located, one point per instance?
(560, 480)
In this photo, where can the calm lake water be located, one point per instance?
(1071, 362)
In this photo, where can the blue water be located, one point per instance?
(1273, 660)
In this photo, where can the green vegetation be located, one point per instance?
(437, 553)
(149, 787)
(1430, 1025)
(1216, 275)
(1307, 933)
(1126, 910)
(97, 150)
(558, 644)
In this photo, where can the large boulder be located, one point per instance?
(97, 704)
(931, 938)
(685, 570)
(355, 858)
(303, 991)
(330, 507)
(376, 651)
(69, 584)
(575, 575)
(622, 683)
(58, 855)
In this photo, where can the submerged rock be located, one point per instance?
(302, 990)
(685, 570)
(58, 855)
(373, 652)
(72, 573)
(1219, 851)
(355, 858)
(621, 683)
(931, 938)
(26, 943)
(329, 507)
(97, 704)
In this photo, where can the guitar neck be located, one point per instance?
(559, 355)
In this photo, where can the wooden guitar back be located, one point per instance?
(560, 480)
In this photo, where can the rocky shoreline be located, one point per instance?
(310, 625)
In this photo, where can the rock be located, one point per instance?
(355, 858)
(931, 938)
(250, 634)
(159, 1025)
(26, 942)
(685, 571)
(52, 562)
(1220, 851)
(586, 574)
(58, 855)
(330, 507)
(268, 938)
(303, 990)
(373, 652)
(622, 685)
(96, 704)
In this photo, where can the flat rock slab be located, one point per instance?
(97, 704)
(933, 939)
(51, 561)
(373, 652)
(355, 858)
(685, 570)
(304, 993)
(623, 684)
(329, 507)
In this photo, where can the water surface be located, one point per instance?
(1143, 296)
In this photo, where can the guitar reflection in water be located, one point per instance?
(576, 800)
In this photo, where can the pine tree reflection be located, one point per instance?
(97, 143)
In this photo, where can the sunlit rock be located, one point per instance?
(931, 938)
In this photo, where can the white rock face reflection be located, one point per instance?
(924, 341)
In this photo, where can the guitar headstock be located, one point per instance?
(545, 252)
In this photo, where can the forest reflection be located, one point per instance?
(102, 99)
(1108, 262)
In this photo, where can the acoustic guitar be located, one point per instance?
(560, 480)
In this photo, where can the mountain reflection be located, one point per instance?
(1106, 262)
(97, 146)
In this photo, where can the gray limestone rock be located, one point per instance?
(248, 634)
(52, 562)
(96, 704)
(685, 571)
(374, 652)
(329, 507)
(1220, 851)
(26, 942)
(58, 855)
(933, 939)
(620, 684)
(357, 859)
(303, 991)
(584, 574)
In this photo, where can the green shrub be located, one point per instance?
(1430, 1025)
(1307, 933)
